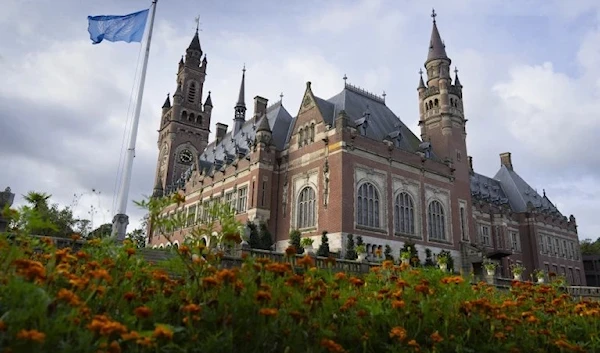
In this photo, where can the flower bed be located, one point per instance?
(105, 298)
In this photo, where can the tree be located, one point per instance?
(101, 232)
(254, 239)
(388, 252)
(138, 236)
(588, 247)
(350, 251)
(428, 258)
(41, 218)
(324, 247)
(266, 241)
(295, 237)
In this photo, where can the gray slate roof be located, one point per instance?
(381, 120)
(279, 122)
(508, 186)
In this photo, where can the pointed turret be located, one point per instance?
(167, 103)
(421, 82)
(263, 125)
(437, 49)
(456, 80)
(193, 52)
(181, 63)
(208, 102)
(178, 95)
(240, 107)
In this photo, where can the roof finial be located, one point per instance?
(345, 79)
(455, 71)
(433, 15)
(544, 190)
(383, 95)
(244, 69)
(281, 97)
(421, 72)
(197, 20)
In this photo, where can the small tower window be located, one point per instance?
(436, 102)
(430, 105)
(192, 93)
(452, 102)
(426, 106)
(191, 117)
(184, 115)
(199, 119)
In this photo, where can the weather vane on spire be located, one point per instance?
(421, 72)
(197, 20)
(433, 15)
(455, 70)
(244, 68)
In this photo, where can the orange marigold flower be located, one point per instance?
(105, 327)
(500, 335)
(114, 347)
(226, 275)
(162, 331)
(453, 279)
(75, 236)
(101, 274)
(68, 296)
(263, 296)
(210, 281)
(398, 304)
(436, 337)
(340, 276)
(145, 341)
(184, 249)
(142, 312)
(306, 261)
(129, 296)
(192, 308)
(130, 251)
(268, 311)
(290, 251)
(357, 281)
(332, 346)
(414, 344)
(133, 335)
(31, 335)
(398, 332)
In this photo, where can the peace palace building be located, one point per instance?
(349, 165)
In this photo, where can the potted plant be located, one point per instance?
(361, 251)
(539, 275)
(490, 266)
(307, 244)
(442, 261)
(405, 256)
(517, 271)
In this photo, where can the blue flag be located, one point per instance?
(127, 28)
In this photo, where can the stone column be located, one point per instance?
(6, 199)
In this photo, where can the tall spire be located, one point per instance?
(240, 107)
(421, 83)
(456, 80)
(241, 102)
(437, 49)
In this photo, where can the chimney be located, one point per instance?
(470, 163)
(506, 161)
(221, 131)
(260, 106)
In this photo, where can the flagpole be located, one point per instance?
(121, 220)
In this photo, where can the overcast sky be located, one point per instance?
(530, 70)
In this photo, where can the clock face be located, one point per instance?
(186, 156)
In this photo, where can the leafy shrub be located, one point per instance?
(324, 247)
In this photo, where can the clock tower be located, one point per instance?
(185, 122)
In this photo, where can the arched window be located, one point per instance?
(435, 102)
(199, 119)
(426, 106)
(192, 93)
(367, 202)
(404, 214)
(184, 115)
(191, 117)
(430, 105)
(436, 225)
(312, 132)
(300, 137)
(306, 208)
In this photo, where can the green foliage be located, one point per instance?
(589, 247)
(138, 237)
(101, 232)
(350, 251)
(450, 260)
(96, 298)
(359, 240)
(254, 240)
(41, 218)
(388, 253)
(410, 249)
(295, 241)
(324, 247)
